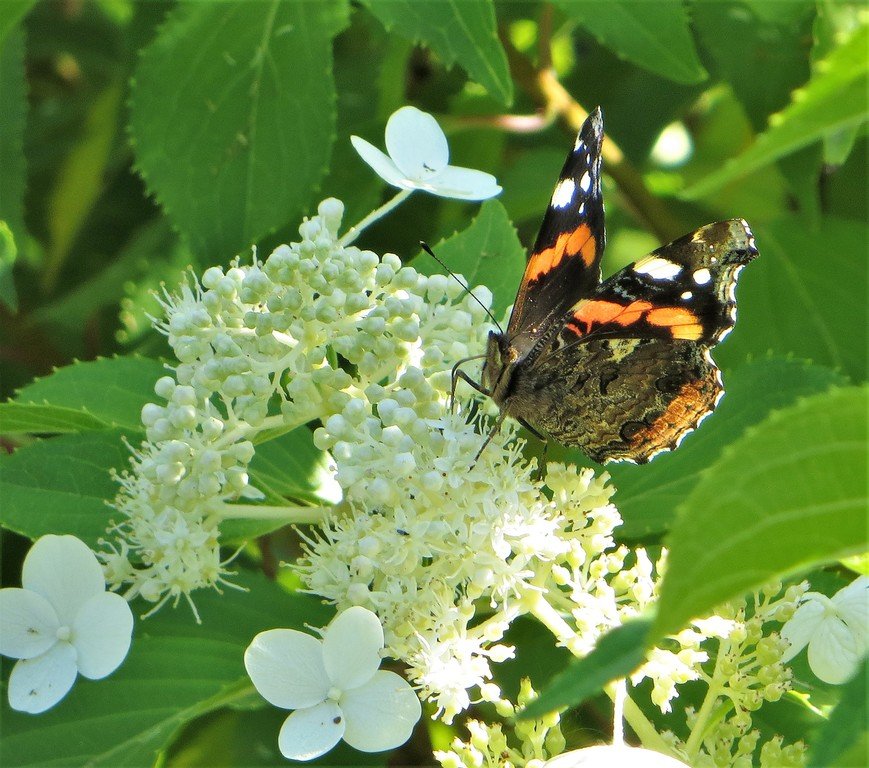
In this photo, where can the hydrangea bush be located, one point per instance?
(291, 507)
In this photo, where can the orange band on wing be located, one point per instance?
(591, 313)
(579, 241)
(681, 322)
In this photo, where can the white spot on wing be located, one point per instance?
(563, 194)
(658, 269)
(702, 276)
(578, 144)
(585, 182)
(687, 295)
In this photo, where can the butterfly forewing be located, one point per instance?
(565, 261)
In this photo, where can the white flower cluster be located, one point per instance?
(740, 659)
(448, 552)
(265, 347)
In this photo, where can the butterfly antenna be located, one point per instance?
(430, 252)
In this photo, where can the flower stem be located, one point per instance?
(621, 693)
(351, 234)
(633, 715)
(692, 746)
(287, 514)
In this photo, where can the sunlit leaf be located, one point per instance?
(789, 494)
(247, 133)
(459, 31)
(111, 389)
(486, 253)
(653, 34)
(62, 485)
(834, 99)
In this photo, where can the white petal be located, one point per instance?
(611, 756)
(28, 624)
(852, 604)
(381, 714)
(64, 571)
(801, 627)
(38, 684)
(416, 143)
(286, 667)
(463, 184)
(834, 652)
(311, 732)
(101, 634)
(351, 647)
(381, 163)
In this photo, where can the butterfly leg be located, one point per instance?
(494, 431)
(458, 373)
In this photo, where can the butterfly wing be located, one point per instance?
(565, 261)
(629, 374)
(681, 291)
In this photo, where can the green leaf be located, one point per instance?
(112, 390)
(62, 485)
(290, 468)
(81, 178)
(653, 34)
(458, 31)
(647, 496)
(800, 296)
(740, 41)
(487, 253)
(24, 418)
(8, 254)
(176, 671)
(845, 729)
(789, 494)
(833, 21)
(13, 167)
(247, 133)
(834, 99)
(13, 12)
(616, 655)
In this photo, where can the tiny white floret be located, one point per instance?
(836, 631)
(702, 276)
(335, 687)
(60, 624)
(419, 159)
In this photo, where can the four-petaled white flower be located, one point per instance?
(835, 630)
(62, 622)
(419, 159)
(334, 685)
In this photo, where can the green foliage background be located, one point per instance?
(137, 138)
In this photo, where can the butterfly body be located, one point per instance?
(621, 368)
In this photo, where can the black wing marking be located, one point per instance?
(565, 261)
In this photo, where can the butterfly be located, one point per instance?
(620, 368)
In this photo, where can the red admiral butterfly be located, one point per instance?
(621, 368)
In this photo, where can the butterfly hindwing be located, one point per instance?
(565, 261)
(681, 291)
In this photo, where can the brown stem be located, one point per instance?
(543, 86)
